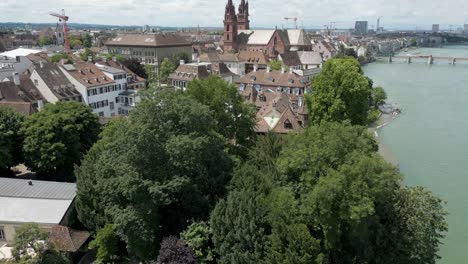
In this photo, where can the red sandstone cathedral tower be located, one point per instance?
(243, 16)
(233, 22)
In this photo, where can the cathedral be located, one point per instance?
(233, 23)
(239, 37)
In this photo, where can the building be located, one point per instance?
(98, 90)
(435, 28)
(465, 28)
(186, 73)
(361, 28)
(149, 48)
(303, 63)
(52, 83)
(238, 36)
(24, 201)
(21, 95)
(134, 82)
(15, 61)
(274, 81)
(325, 48)
(231, 60)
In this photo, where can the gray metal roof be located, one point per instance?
(37, 189)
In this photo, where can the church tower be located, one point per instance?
(243, 16)
(230, 27)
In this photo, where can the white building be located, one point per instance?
(52, 83)
(22, 201)
(98, 89)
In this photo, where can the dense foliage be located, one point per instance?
(106, 243)
(234, 119)
(136, 67)
(329, 199)
(198, 237)
(151, 173)
(57, 138)
(340, 92)
(175, 251)
(29, 247)
(10, 139)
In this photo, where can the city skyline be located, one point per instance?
(398, 14)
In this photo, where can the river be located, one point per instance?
(430, 137)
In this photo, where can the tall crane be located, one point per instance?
(293, 19)
(63, 19)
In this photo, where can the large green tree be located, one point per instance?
(11, 140)
(235, 119)
(57, 138)
(340, 92)
(166, 68)
(151, 173)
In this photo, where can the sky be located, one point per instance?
(397, 14)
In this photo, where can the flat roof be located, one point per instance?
(33, 210)
(19, 52)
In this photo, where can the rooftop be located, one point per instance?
(36, 189)
(19, 52)
(88, 74)
(149, 40)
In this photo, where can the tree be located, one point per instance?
(106, 244)
(29, 238)
(166, 68)
(56, 58)
(57, 138)
(378, 96)
(344, 52)
(198, 237)
(422, 218)
(340, 92)
(153, 172)
(235, 119)
(10, 138)
(87, 54)
(277, 65)
(135, 66)
(45, 41)
(175, 251)
(87, 41)
(75, 42)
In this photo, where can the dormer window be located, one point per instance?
(253, 78)
(287, 124)
(271, 79)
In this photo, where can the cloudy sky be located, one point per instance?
(264, 13)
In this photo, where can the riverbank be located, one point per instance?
(375, 127)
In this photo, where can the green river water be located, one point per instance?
(430, 137)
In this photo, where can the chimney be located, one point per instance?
(40, 105)
(41, 64)
(194, 56)
(283, 70)
(16, 78)
(299, 101)
(255, 67)
(181, 62)
(30, 183)
(268, 68)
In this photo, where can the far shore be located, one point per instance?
(374, 128)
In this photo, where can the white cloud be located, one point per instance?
(264, 13)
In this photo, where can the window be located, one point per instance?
(117, 99)
(101, 90)
(111, 105)
(287, 124)
(36, 82)
(101, 114)
(2, 233)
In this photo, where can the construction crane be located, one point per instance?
(293, 19)
(63, 19)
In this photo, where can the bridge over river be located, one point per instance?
(429, 59)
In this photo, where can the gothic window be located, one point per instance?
(227, 36)
(227, 28)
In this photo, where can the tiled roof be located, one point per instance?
(24, 108)
(291, 58)
(118, 65)
(65, 239)
(88, 74)
(255, 37)
(221, 69)
(189, 72)
(253, 57)
(56, 80)
(274, 78)
(149, 40)
(310, 57)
